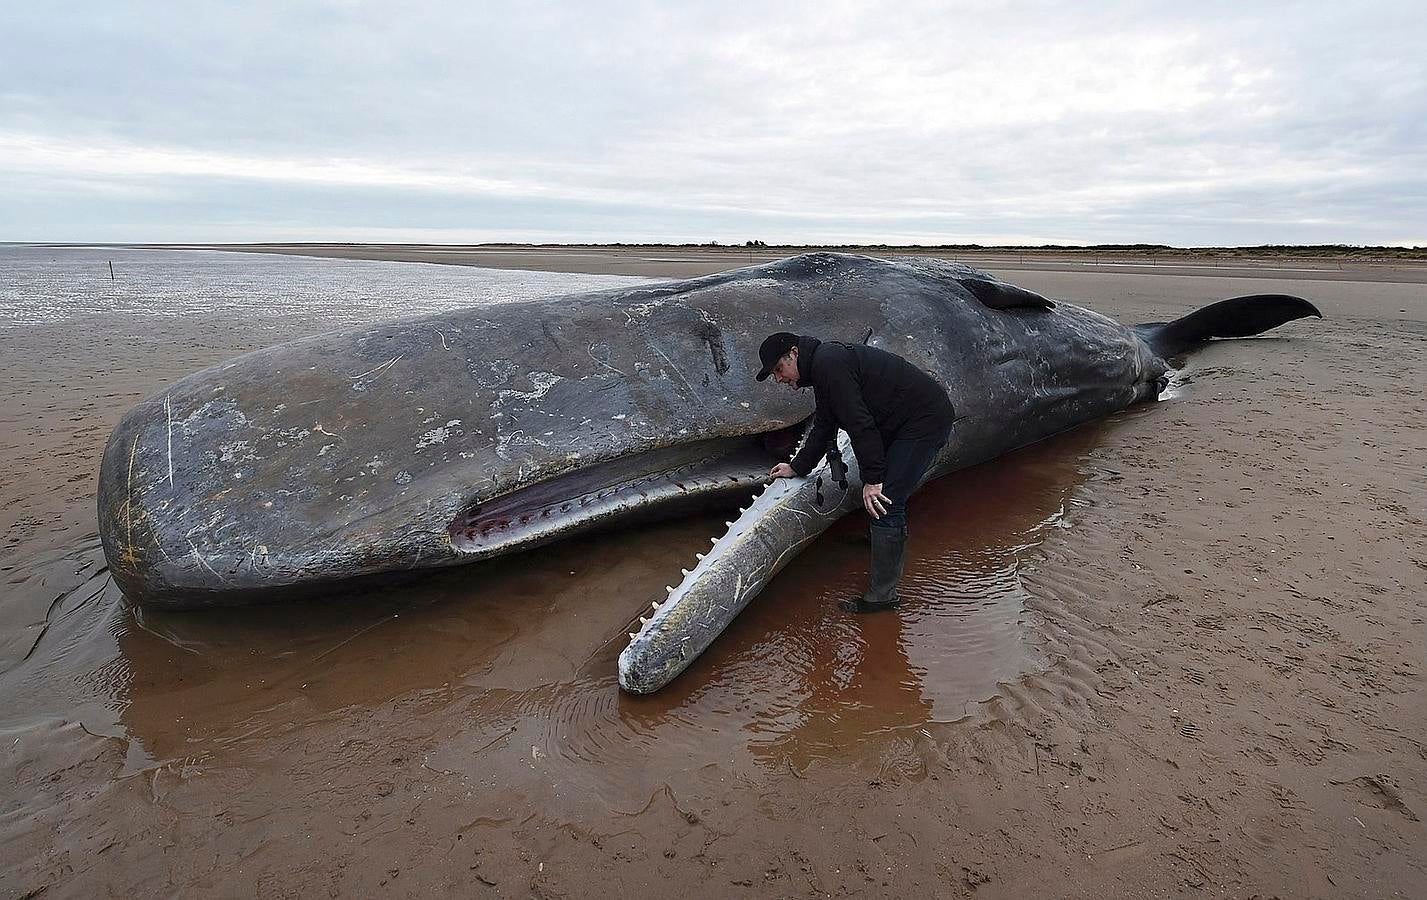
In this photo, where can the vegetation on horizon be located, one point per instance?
(1354, 251)
(1359, 252)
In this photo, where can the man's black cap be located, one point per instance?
(774, 346)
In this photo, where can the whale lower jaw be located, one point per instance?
(789, 514)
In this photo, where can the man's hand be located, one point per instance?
(782, 470)
(874, 500)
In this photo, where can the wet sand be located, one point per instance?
(1177, 652)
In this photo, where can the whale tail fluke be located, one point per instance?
(1235, 317)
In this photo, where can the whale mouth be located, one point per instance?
(638, 487)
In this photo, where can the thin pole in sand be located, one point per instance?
(111, 270)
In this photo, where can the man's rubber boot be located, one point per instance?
(889, 555)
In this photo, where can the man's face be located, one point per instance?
(786, 372)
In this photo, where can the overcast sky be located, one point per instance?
(1201, 123)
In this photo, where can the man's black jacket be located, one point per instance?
(873, 395)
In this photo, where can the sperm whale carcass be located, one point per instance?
(458, 437)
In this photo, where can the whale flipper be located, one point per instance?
(1235, 317)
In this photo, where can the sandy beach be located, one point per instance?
(1179, 652)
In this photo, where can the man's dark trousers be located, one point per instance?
(907, 462)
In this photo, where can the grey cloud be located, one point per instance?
(1204, 123)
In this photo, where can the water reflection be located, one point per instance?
(864, 685)
(490, 667)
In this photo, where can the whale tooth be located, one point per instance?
(713, 540)
(698, 556)
(633, 635)
(684, 572)
(668, 589)
(654, 605)
(643, 621)
(728, 524)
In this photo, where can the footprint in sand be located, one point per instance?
(1380, 791)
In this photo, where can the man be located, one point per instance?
(897, 418)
